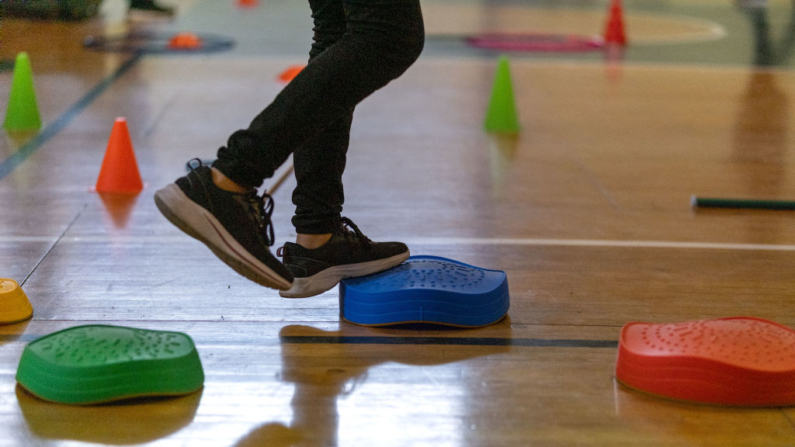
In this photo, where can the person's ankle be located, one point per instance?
(312, 241)
(225, 183)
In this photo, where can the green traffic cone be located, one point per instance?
(22, 113)
(501, 116)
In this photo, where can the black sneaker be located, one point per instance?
(347, 254)
(236, 227)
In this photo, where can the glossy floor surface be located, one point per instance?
(587, 210)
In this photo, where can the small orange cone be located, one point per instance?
(615, 33)
(185, 41)
(291, 73)
(119, 173)
(247, 3)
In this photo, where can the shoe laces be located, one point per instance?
(194, 163)
(262, 208)
(351, 232)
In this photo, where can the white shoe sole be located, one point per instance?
(200, 224)
(330, 277)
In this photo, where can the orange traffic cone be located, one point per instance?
(291, 73)
(247, 3)
(614, 32)
(119, 173)
(185, 41)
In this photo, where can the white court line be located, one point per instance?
(600, 243)
(438, 241)
(714, 31)
(28, 239)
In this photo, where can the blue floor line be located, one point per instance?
(458, 341)
(9, 164)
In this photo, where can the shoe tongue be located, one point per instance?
(350, 231)
(344, 229)
(347, 226)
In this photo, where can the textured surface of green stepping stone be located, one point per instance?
(98, 363)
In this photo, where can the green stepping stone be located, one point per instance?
(99, 363)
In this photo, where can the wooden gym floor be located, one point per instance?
(587, 211)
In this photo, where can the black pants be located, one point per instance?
(359, 46)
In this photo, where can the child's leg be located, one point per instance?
(319, 195)
(151, 6)
(381, 41)
(320, 161)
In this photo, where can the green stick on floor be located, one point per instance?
(707, 202)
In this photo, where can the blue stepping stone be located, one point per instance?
(427, 289)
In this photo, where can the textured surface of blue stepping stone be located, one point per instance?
(427, 289)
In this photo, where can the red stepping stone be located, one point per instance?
(741, 361)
